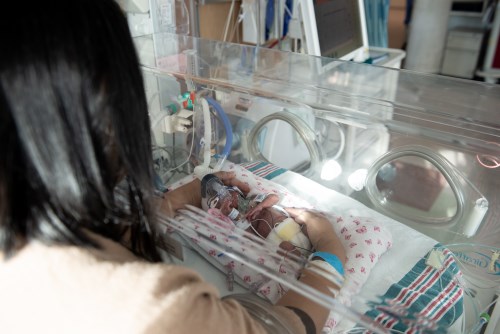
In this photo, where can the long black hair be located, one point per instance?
(73, 122)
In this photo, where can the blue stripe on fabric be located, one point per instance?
(264, 169)
(394, 314)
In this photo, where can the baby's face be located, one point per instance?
(212, 202)
(224, 204)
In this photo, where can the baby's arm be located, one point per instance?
(267, 202)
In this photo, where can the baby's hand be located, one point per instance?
(229, 179)
(267, 202)
(254, 212)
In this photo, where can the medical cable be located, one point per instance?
(467, 291)
(441, 278)
(483, 319)
(460, 246)
(188, 159)
(188, 154)
(488, 161)
(228, 20)
(271, 228)
(255, 230)
(227, 125)
(162, 166)
(204, 168)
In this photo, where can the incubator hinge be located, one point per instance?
(493, 261)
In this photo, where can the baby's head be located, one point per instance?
(214, 194)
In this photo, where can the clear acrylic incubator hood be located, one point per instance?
(406, 164)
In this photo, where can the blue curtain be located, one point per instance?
(377, 14)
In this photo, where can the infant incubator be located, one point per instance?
(406, 165)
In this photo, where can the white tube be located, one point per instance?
(492, 325)
(204, 169)
(427, 37)
(475, 217)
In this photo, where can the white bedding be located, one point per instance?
(409, 247)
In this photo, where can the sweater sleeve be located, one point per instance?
(190, 305)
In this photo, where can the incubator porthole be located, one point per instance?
(416, 186)
(295, 148)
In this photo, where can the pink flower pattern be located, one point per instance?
(362, 252)
(266, 291)
(362, 230)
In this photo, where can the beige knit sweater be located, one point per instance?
(73, 290)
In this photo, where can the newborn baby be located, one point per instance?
(257, 214)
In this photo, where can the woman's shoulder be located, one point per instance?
(61, 284)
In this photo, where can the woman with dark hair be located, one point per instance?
(76, 187)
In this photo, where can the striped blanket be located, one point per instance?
(263, 169)
(425, 300)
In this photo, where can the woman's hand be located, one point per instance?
(188, 194)
(323, 238)
(319, 230)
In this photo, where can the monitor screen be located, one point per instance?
(338, 27)
(335, 28)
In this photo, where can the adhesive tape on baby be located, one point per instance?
(274, 238)
(287, 229)
(300, 240)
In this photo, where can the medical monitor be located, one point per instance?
(335, 28)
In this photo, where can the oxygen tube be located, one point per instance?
(204, 169)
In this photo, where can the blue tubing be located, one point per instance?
(227, 125)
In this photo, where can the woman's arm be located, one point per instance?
(323, 238)
(188, 194)
(317, 228)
